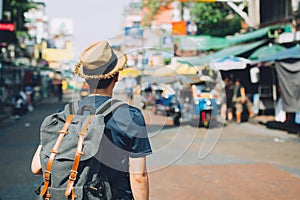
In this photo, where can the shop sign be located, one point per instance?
(7, 27)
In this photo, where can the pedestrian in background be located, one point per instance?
(124, 146)
(59, 86)
(239, 99)
(229, 95)
(130, 85)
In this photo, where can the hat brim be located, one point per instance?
(120, 65)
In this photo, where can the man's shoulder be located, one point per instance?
(132, 109)
(127, 112)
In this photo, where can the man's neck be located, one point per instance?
(102, 92)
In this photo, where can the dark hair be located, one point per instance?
(99, 84)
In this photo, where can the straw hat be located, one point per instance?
(100, 61)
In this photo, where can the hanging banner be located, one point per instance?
(179, 28)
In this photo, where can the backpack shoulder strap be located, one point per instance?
(73, 173)
(54, 151)
(109, 106)
(72, 107)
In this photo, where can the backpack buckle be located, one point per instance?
(53, 151)
(63, 132)
(73, 175)
(79, 152)
(48, 196)
(47, 175)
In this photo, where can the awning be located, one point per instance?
(290, 53)
(203, 43)
(266, 51)
(257, 34)
(236, 50)
(175, 69)
(227, 52)
(230, 63)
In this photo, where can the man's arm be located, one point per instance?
(243, 94)
(36, 167)
(139, 178)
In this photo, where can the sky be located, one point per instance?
(93, 19)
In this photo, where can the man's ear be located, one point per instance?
(117, 77)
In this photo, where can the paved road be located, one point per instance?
(246, 161)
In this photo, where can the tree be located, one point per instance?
(215, 19)
(151, 8)
(17, 8)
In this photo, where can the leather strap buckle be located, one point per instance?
(79, 152)
(47, 196)
(53, 151)
(47, 175)
(73, 175)
(63, 132)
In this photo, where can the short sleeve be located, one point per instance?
(139, 145)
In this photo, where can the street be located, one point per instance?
(237, 161)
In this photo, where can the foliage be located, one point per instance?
(215, 19)
(152, 7)
(17, 8)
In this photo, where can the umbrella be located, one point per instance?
(230, 63)
(164, 71)
(186, 69)
(132, 72)
(266, 51)
(173, 70)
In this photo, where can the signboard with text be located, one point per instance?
(7, 33)
(7, 27)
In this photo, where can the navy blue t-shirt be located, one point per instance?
(125, 136)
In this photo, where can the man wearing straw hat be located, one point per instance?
(125, 144)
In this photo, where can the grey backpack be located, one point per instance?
(69, 145)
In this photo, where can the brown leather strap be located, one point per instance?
(78, 153)
(54, 151)
(47, 196)
(73, 196)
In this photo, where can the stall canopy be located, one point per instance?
(227, 52)
(205, 42)
(230, 63)
(290, 53)
(266, 51)
(246, 37)
(202, 43)
(175, 69)
(130, 72)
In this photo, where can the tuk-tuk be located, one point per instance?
(198, 100)
(165, 102)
